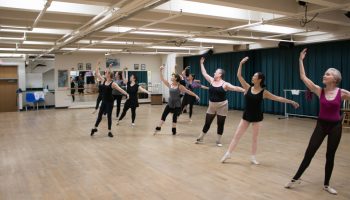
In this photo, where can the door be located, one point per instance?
(8, 87)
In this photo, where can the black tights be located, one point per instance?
(106, 107)
(220, 122)
(118, 99)
(323, 128)
(98, 100)
(168, 110)
(184, 104)
(125, 109)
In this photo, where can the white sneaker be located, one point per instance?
(254, 161)
(218, 143)
(226, 156)
(132, 124)
(292, 183)
(330, 190)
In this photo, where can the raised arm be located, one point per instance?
(204, 72)
(269, 95)
(244, 83)
(309, 84)
(183, 73)
(162, 77)
(97, 72)
(141, 89)
(230, 87)
(116, 86)
(345, 94)
(125, 79)
(184, 89)
(204, 87)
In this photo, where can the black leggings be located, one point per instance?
(98, 100)
(118, 99)
(323, 128)
(125, 109)
(72, 93)
(220, 122)
(168, 110)
(106, 107)
(184, 104)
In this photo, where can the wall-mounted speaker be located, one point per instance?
(286, 45)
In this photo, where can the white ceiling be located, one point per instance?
(162, 26)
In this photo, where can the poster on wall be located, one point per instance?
(88, 66)
(143, 66)
(114, 61)
(62, 78)
(136, 66)
(80, 66)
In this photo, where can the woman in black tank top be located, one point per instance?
(107, 99)
(218, 104)
(253, 96)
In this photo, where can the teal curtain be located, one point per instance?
(281, 69)
(141, 76)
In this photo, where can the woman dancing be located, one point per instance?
(174, 102)
(218, 104)
(116, 94)
(107, 99)
(253, 114)
(132, 88)
(328, 123)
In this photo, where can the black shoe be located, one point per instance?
(110, 134)
(184, 111)
(158, 128)
(93, 131)
(173, 130)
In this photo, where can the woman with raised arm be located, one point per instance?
(132, 88)
(218, 104)
(328, 123)
(174, 102)
(116, 94)
(107, 99)
(253, 113)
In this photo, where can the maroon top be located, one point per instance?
(330, 109)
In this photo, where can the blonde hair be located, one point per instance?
(336, 74)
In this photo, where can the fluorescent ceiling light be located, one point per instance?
(53, 31)
(179, 48)
(312, 33)
(161, 33)
(218, 11)
(61, 7)
(11, 55)
(217, 41)
(117, 29)
(274, 29)
(20, 49)
(90, 49)
(38, 42)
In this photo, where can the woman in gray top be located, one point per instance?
(116, 94)
(174, 102)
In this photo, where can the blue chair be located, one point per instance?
(30, 98)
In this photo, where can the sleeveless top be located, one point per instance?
(100, 88)
(107, 92)
(174, 98)
(120, 83)
(133, 98)
(217, 94)
(330, 109)
(253, 106)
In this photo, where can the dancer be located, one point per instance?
(174, 102)
(72, 88)
(107, 99)
(132, 88)
(116, 94)
(218, 104)
(188, 99)
(99, 96)
(253, 113)
(328, 123)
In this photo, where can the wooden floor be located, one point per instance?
(49, 154)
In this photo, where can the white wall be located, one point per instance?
(34, 80)
(48, 79)
(70, 62)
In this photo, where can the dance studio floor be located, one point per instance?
(49, 154)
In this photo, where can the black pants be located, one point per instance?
(98, 100)
(323, 128)
(72, 94)
(106, 107)
(186, 102)
(125, 109)
(220, 122)
(168, 110)
(118, 99)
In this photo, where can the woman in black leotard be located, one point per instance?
(132, 88)
(252, 114)
(107, 99)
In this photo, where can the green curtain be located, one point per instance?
(141, 76)
(281, 69)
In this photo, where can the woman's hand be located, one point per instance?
(295, 104)
(244, 60)
(202, 60)
(302, 54)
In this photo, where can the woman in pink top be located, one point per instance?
(328, 123)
